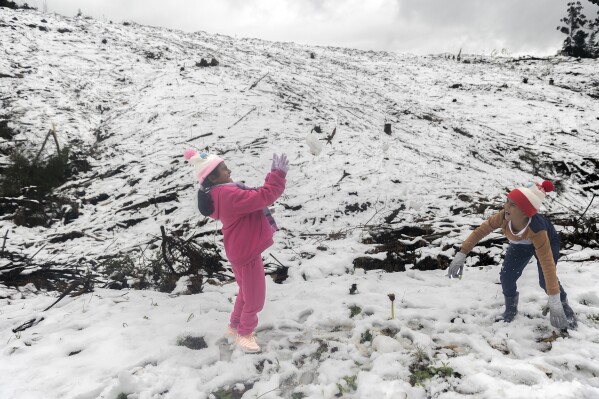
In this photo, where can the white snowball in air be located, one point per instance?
(315, 146)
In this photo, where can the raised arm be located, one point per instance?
(247, 201)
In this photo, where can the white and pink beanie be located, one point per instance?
(529, 199)
(203, 163)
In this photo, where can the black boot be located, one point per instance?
(570, 315)
(511, 308)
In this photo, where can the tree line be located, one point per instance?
(15, 6)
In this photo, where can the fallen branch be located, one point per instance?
(53, 131)
(345, 174)
(4, 243)
(27, 324)
(240, 119)
(42, 148)
(65, 293)
(580, 217)
(38, 251)
(282, 265)
(258, 81)
(197, 137)
(529, 59)
(376, 212)
(166, 260)
(330, 137)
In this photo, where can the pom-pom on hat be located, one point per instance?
(203, 163)
(529, 198)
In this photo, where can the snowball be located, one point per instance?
(315, 146)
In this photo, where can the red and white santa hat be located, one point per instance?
(529, 199)
(203, 163)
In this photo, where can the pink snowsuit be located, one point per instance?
(246, 233)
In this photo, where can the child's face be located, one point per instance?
(512, 212)
(222, 175)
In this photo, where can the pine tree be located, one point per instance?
(575, 44)
(8, 4)
(15, 6)
(593, 42)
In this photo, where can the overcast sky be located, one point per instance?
(412, 26)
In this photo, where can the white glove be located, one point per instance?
(556, 312)
(280, 162)
(456, 267)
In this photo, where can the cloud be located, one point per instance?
(416, 26)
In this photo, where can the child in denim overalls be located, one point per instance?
(530, 234)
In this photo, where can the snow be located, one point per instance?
(138, 112)
(115, 341)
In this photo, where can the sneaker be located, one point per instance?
(231, 332)
(247, 343)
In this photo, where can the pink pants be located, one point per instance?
(252, 293)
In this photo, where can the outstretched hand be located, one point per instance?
(557, 316)
(456, 267)
(280, 162)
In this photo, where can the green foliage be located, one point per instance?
(366, 337)
(422, 369)
(575, 44)
(420, 375)
(443, 371)
(593, 318)
(38, 178)
(122, 396)
(349, 386)
(231, 393)
(223, 394)
(420, 356)
(354, 310)
(323, 347)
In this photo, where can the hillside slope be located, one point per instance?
(131, 98)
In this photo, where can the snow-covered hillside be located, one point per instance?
(132, 98)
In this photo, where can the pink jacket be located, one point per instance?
(246, 230)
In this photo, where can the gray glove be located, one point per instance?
(280, 162)
(456, 267)
(557, 316)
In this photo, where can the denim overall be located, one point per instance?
(517, 257)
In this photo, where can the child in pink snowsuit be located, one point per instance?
(247, 230)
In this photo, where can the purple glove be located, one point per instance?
(280, 162)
